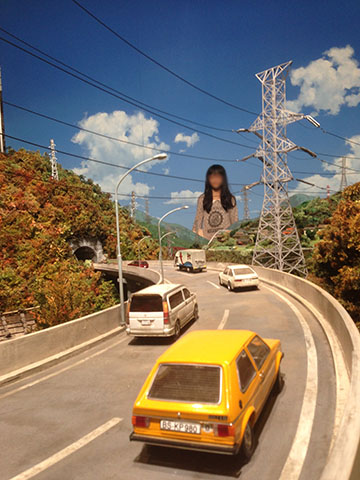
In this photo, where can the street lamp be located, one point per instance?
(160, 238)
(144, 238)
(167, 234)
(212, 238)
(160, 156)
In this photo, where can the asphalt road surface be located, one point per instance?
(73, 421)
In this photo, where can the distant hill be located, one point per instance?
(300, 198)
(184, 236)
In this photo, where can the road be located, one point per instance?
(73, 421)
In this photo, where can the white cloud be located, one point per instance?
(328, 83)
(334, 181)
(190, 140)
(134, 128)
(166, 171)
(184, 197)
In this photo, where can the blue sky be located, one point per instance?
(217, 45)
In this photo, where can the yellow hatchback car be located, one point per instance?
(207, 390)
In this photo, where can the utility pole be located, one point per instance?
(343, 181)
(147, 214)
(2, 122)
(54, 170)
(132, 205)
(328, 192)
(278, 243)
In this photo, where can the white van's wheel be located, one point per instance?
(196, 312)
(177, 329)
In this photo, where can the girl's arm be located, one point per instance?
(199, 217)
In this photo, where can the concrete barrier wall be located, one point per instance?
(344, 458)
(29, 349)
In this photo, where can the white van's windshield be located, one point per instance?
(146, 303)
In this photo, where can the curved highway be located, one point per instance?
(73, 421)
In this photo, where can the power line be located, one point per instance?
(62, 122)
(210, 135)
(82, 157)
(111, 88)
(156, 62)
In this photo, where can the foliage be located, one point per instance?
(336, 258)
(230, 256)
(38, 217)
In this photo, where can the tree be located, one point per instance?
(38, 217)
(336, 258)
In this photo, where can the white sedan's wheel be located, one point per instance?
(229, 287)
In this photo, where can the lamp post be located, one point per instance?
(141, 240)
(212, 238)
(160, 238)
(160, 156)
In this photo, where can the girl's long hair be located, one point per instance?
(228, 200)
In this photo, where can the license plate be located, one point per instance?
(145, 322)
(184, 427)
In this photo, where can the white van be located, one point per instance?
(191, 260)
(160, 310)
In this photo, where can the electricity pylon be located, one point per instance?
(244, 194)
(343, 181)
(147, 213)
(54, 170)
(277, 243)
(2, 123)
(133, 205)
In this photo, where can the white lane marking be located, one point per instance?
(79, 362)
(57, 457)
(224, 319)
(296, 458)
(213, 284)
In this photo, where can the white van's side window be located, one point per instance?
(187, 294)
(176, 299)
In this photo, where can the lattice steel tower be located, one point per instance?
(343, 181)
(245, 198)
(277, 243)
(54, 170)
(132, 205)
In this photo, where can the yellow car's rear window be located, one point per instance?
(187, 383)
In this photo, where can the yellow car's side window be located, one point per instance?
(246, 370)
(259, 351)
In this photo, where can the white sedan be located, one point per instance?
(237, 276)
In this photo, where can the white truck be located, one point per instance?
(191, 260)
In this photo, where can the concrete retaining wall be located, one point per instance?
(25, 351)
(344, 458)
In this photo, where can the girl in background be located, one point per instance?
(216, 207)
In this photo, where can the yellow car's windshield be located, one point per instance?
(187, 383)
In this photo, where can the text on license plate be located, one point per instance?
(184, 427)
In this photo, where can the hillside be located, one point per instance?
(184, 236)
(38, 218)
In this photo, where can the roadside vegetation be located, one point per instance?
(38, 217)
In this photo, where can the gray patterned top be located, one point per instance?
(217, 219)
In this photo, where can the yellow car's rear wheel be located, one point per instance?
(248, 442)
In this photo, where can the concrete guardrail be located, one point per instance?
(24, 355)
(344, 458)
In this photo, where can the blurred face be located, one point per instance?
(216, 180)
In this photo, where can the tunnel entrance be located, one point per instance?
(85, 253)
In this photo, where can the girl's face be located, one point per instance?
(216, 180)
